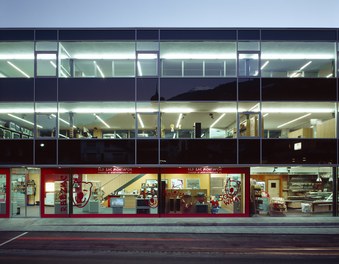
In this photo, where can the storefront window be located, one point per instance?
(97, 59)
(115, 193)
(292, 191)
(200, 193)
(16, 59)
(198, 120)
(56, 188)
(3, 197)
(198, 59)
(299, 120)
(298, 59)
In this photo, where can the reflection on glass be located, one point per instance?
(16, 59)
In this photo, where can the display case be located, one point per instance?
(298, 187)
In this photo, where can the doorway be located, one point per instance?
(25, 194)
(274, 188)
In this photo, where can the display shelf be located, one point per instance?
(299, 185)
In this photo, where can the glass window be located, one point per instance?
(298, 59)
(204, 193)
(56, 194)
(210, 59)
(248, 65)
(3, 190)
(16, 120)
(46, 119)
(115, 194)
(249, 119)
(97, 59)
(107, 120)
(198, 120)
(299, 120)
(16, 59)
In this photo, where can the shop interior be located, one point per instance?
(274, 191)
(291, 191)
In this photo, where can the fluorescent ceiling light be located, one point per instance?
(198, 56)
(287, 123)
(225, 110)
(64, 121)
(63, 136)
(66, 52)
(253, 107)
(98, 68)
(298, 56)
(62, 73)
(104, 56)
(216, 121)
(18, 69)
(179, 119)
(303, 67)
(265, 115)
(141, 122)
(297, 110)
(102, 121)
(177, 110)
(147, 56)
(24, 120)
(330, 75)
(139, 68)
(46, 56)
(265, 64)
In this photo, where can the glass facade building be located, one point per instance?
(184, 122)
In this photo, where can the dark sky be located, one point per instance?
(169, 13)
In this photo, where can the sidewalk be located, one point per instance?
(252, 225)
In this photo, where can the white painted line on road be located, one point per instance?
(4, 243)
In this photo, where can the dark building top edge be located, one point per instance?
(169, 33)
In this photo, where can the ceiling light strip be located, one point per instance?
(287, 123)
(102, 121)
(265, 64)
(140, 121)
(24, 120)
(216, 121)
(179, 119)
(98, 68)
(18, 69)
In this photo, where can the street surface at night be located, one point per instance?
(89, 247)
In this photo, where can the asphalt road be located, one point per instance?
(95, 248)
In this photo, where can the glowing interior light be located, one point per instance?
(140, 121)
(179, 120)
(289, 122)
(24, 120)
(102, 121)
(98, 68)
(265, 64)
(18, 69)
(216, 121)
(139, 68)
(303, 67)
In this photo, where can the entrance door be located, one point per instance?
(274, 188)
(25, 199)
